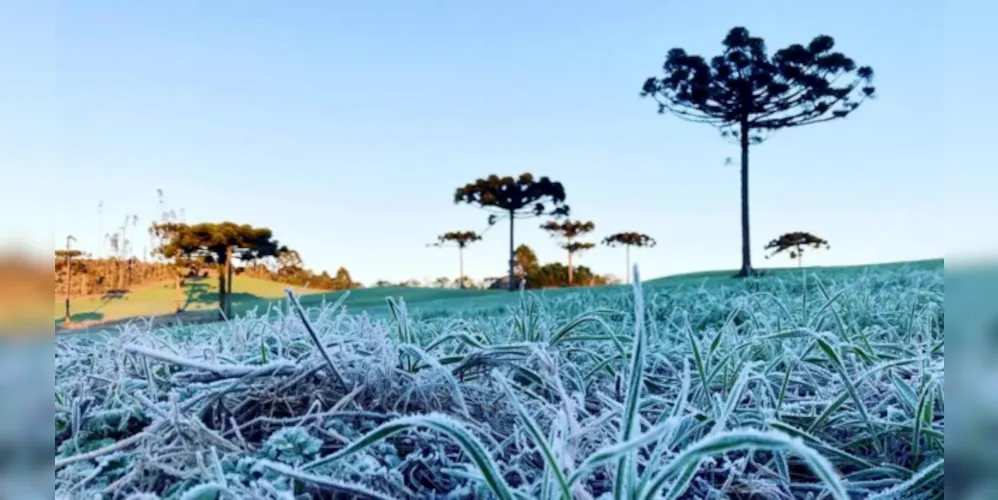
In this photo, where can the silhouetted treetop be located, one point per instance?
(796, 242)
(461, 238)
(568, 228)
(213, 239)
(520, 195)
(798, 85)
(578, 246)
(629, 239)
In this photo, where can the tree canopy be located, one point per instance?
(521, 196)
(630, 239)
(798, 85)
(795, 242)
(459, 238)
(216, 240)
(578, 246)
(568, 229)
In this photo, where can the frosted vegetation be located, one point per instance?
(816, 386)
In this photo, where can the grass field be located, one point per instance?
(827, 384)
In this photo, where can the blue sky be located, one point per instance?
(346, 128)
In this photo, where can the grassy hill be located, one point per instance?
(250, 294)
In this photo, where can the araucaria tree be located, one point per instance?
(518, 198)
(220, 243)
(460, 239)
(748, 94)
(628, 240)
(568, 231)
(796, 242)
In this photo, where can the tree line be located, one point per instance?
(744, 92)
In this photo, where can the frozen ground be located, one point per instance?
(782, 387)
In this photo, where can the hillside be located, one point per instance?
(250, 294)
(160, 299)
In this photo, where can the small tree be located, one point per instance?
(628, 240)
(519, 198)
(220, 243)
(796, 242)
(567, 231)
(748, 94)
(460, 239)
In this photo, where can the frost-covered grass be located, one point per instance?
(823, 386)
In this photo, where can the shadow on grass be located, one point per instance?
(83, 317)
(200, 293)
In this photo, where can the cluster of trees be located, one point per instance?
(745, 92)
(524, 197)
(533, 274)
(224, 244)
(185, 251)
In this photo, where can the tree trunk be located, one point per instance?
(178, 286)
(627, 263)
(221, 288)
(570, 268)
(460, 268)
(69, 280)
(746, 269)
(512, 259)
(228, 281)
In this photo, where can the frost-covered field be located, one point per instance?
(777, 387)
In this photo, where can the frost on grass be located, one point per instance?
(824, 385)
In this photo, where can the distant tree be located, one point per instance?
(748, 94)
(510, 198)
(382, 283)
(68, 255)
(221, 243)
(343, 281)
(466, 283)
(567, 231)
(444, 282)
(525, 260)
(460, 239)
(796, 242)
(288, 262)
(628, 240)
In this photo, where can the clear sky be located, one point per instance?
(346, 127)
